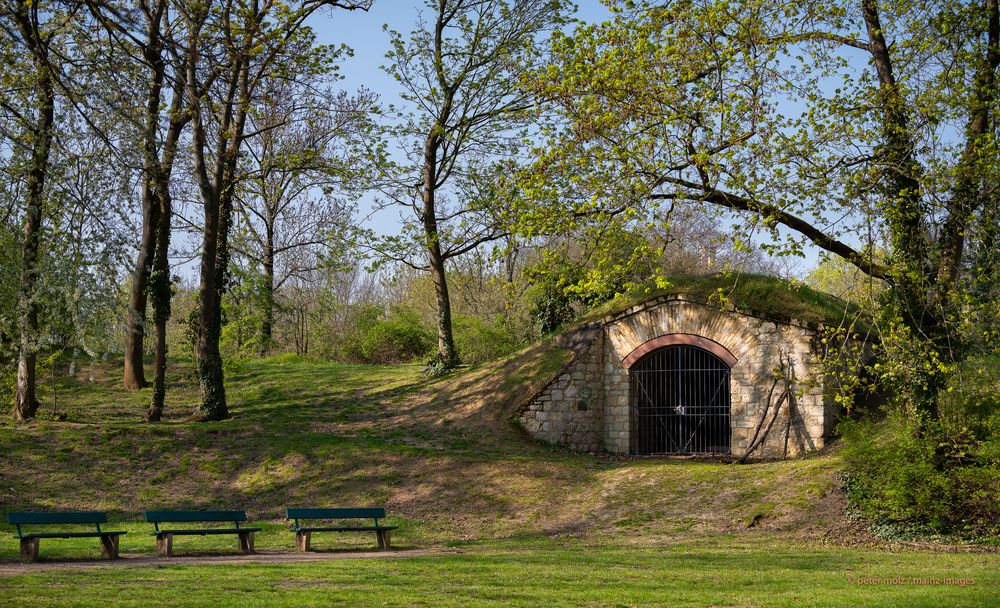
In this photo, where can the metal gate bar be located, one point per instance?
(680, 402)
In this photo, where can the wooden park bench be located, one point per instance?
(165, 537)
(29, 542)
(303, 534)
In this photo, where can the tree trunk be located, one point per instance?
(904, 213)
(155, 412)
(305, 330)
(215, 262)
(267, 323)
(25, 402)
(134, 376)
(160, 168)
(213, 390)
(446, 340)
(135, 331)
(218, 206)
(903, 206)
(967, 193)
(161, 304)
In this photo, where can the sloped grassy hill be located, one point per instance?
(761, 294)
(443, 455)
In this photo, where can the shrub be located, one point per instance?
(922, 478)
(479, 341)
(8, 380)
(397, 338)
(550, 307)
(941, 476)
(972, 398)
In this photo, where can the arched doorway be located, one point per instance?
(680, 402)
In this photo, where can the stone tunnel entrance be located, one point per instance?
(680, 402)
(673, 375)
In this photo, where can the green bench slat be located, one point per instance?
(41, 518)
(303, 533)
(203, 531)
(58, 517)
(342, 513)
(194, 516)
(70, 534)
(345, 528)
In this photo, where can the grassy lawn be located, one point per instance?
(441, 455)
(519, 523)
(703, 571)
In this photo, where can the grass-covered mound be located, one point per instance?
(442, 454)
(760, 294)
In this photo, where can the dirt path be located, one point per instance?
(261, 557)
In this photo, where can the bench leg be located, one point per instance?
(29, 549)
(165, 544)
(302, 540)
(109, 546)
(246, 542)
(384, 539)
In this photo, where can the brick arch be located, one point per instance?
(649, 346)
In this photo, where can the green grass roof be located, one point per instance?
(763, 295)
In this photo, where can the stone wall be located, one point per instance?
(569, 411)
(587, 407)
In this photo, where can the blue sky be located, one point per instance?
(362, 31)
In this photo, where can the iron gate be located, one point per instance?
(680, 402)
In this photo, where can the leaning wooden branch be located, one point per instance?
(791, 410)
(763, 417)
(785, 377)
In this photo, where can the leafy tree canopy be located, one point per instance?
(853, 127)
